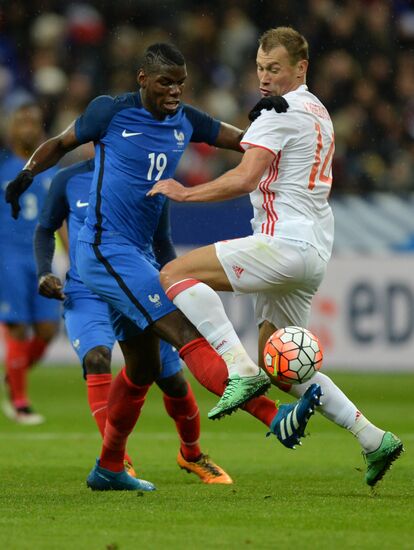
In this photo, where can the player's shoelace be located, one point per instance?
(206, 464)
(231, 386)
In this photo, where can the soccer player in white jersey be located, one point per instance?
(286, 169)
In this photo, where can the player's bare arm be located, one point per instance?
(45, 156)
(236, 182)
(229, 137)
(52, 150)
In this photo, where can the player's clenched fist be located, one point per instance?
(170, 188)
(50, 286)
(17, 187)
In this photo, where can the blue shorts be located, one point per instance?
(87, 324)
(91, 322)
(20, 301)
(124, 278)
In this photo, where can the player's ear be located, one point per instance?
(302, 67)
(141, 78)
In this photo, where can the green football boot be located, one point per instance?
(379, 461)
(239, 389)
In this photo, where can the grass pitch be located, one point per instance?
(314, 497)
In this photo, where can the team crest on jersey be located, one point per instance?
(179, 136)
(155, 299)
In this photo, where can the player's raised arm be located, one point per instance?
(45, 156)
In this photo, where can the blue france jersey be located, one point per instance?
(67, 199)
(133, 151)
(16, 236)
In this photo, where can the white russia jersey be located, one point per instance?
(291, 200)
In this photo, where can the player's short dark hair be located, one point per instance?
(295, 43)
(161, 54)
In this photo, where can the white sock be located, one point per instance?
(203, 307)
(339, 409)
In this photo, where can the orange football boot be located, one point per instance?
(129, 468)
(205, 469)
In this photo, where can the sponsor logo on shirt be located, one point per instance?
(81, 204)
(127, 134)
(76, 343)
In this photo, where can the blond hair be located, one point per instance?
(296, 44)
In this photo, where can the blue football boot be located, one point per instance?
(101, 479)
(291, 420)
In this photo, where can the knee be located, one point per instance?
(98, 361)
(171, 274)
(174, 386)
(165, 276)
(17, 331)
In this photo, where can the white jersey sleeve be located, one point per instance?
(263, 132)
(291, 198)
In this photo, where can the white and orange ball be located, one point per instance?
(292, 355)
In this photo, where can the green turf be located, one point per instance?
(313, 497)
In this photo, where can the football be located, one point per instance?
(292, 355)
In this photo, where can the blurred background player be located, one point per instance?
(287, 171)
(88, 325)
(30, 320)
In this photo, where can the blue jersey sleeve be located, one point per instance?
(206, 128)
(56, 207)
(93, 123)
(163, 246)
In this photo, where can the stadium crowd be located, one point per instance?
(362, 69)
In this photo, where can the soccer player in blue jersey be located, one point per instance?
(88, 325)
(139, 138)
(31, 321)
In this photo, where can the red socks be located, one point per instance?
(205, 364)
(124, 406)
(262, 408)
(98, 387)
(211, 371)
(19, 357)
(36, 347)
(184, 411)
(17, 363)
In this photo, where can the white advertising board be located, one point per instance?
(363, 314)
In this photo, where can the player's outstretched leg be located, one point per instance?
(205, 469)
(211, 371)
(291, 420)
(239, 390)
(380, 460)
(101, 479)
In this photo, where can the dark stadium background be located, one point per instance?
(362, 68)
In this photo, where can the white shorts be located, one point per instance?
(282, 274)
